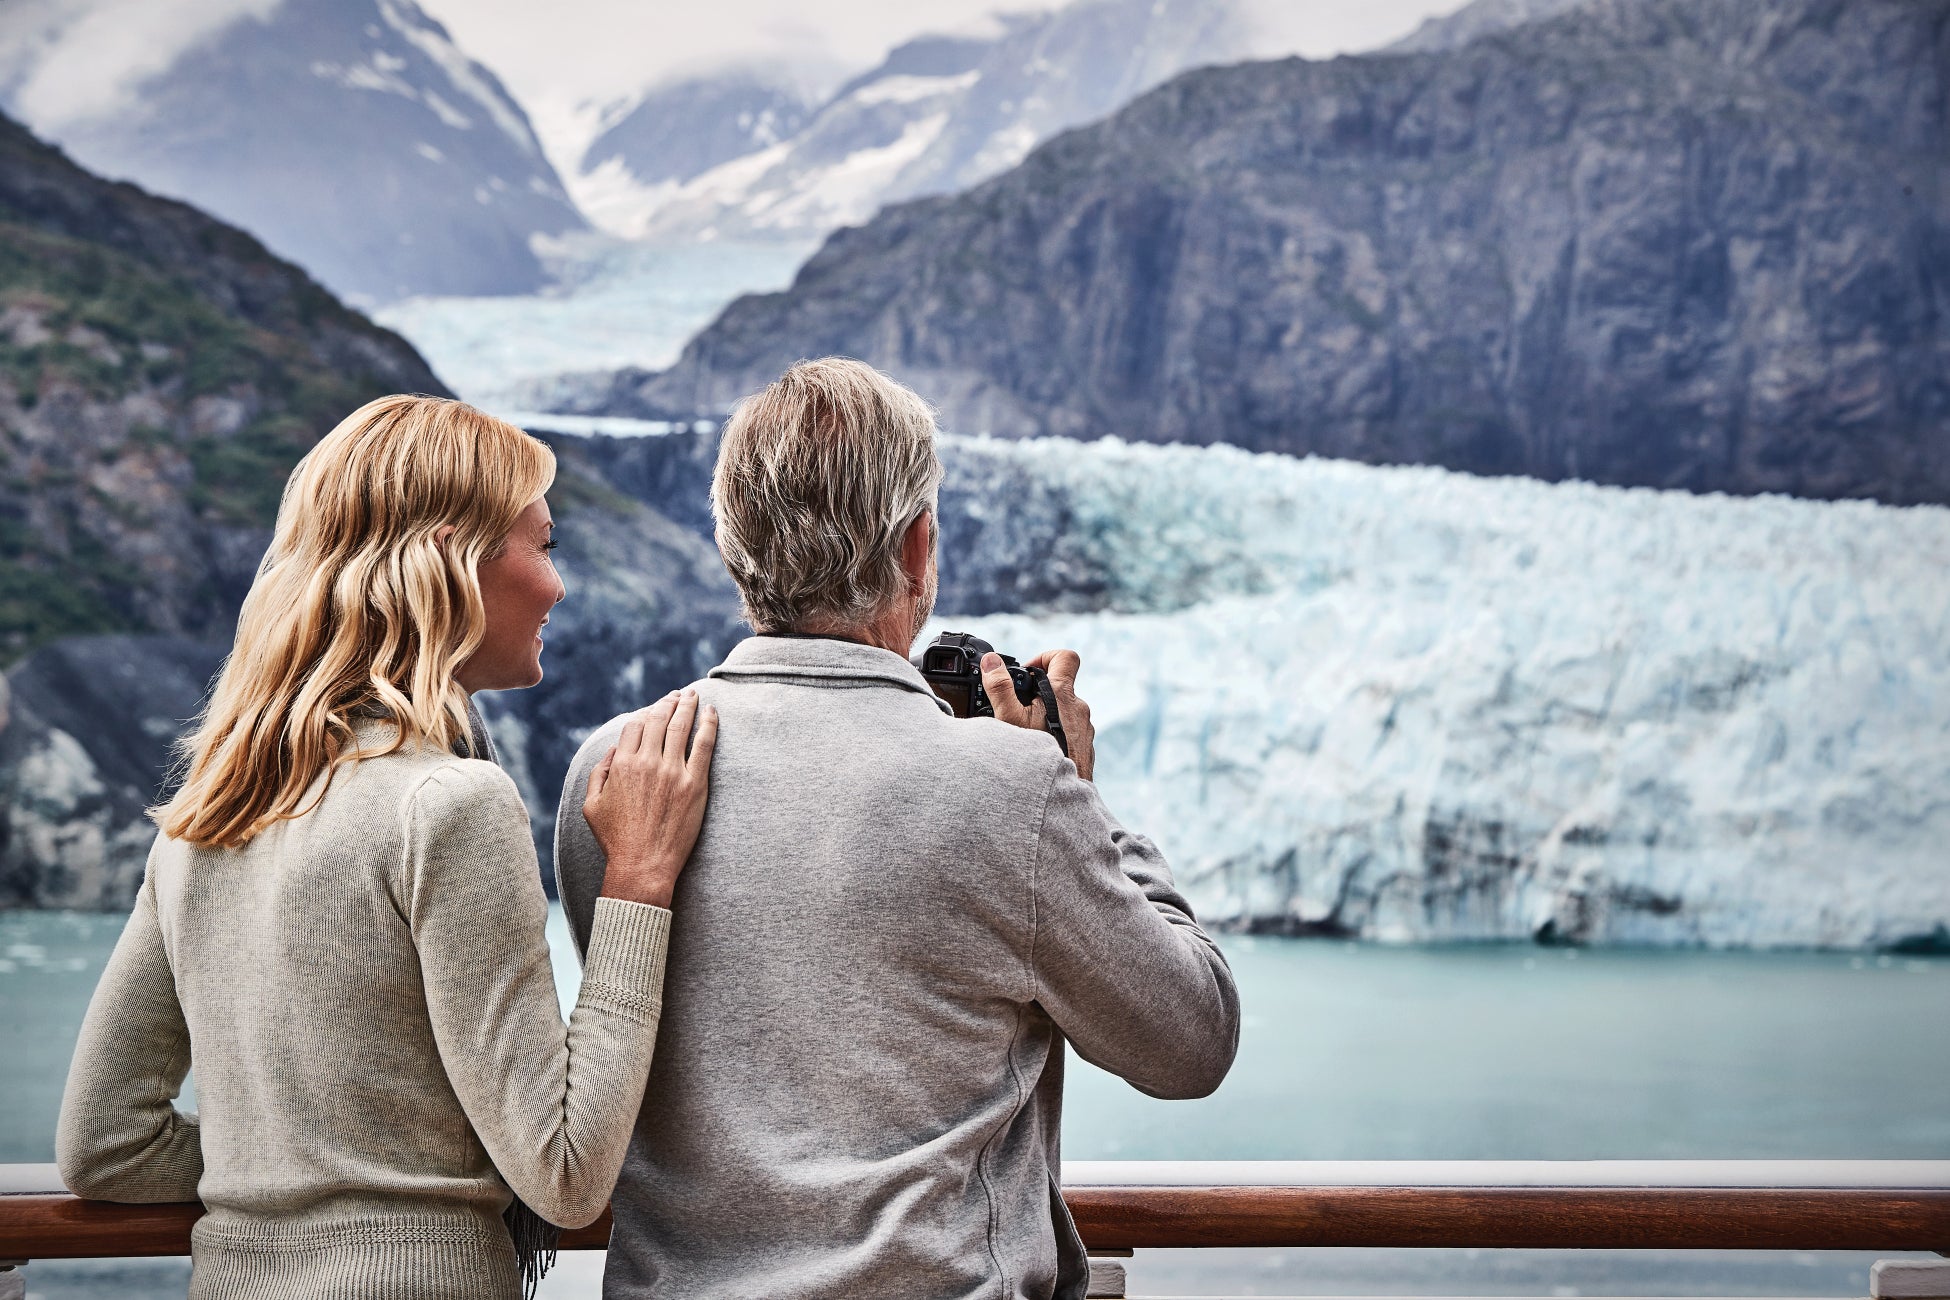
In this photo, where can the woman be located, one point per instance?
(341, 924)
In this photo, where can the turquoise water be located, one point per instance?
(1360, 1052)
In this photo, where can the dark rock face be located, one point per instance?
(353, 137)
(1479, 18)
(649, 608)
(1683, 243)
(1010, 540)
(160, 374)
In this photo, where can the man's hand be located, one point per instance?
(1071, 711)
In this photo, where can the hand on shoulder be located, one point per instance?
(646, 797)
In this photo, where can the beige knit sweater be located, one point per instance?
(365, 995)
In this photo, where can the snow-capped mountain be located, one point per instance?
(352, 136)
(940, 114)
(675, 133)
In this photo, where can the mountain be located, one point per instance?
(351, 136)
(160, 374)
(1686, 243)
(940, 114)
(677, 132)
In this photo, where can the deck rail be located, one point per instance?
(1119, 1206)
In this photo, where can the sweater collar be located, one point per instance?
(374, 726)
(814, 660)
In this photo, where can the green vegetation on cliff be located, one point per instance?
(160, 374)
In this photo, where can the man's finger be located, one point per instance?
(678, 730)
(1001, 689)
(706, 741)
(1062, 667)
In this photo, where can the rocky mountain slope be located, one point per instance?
(160, 374)
(940, 114)
(1688, 243)
(351, 136)
(1478, 18)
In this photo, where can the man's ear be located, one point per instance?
(917, 548)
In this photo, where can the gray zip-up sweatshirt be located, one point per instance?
(893, 920)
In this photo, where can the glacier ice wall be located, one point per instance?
(1408, 704)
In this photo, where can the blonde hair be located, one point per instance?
(359, 607)
(817, 478)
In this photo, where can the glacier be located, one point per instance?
(1411, 705)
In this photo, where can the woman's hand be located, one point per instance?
(646, 798)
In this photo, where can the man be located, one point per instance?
(893, 918)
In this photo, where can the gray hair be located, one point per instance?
(818, 478)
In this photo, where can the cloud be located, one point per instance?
(64, 62)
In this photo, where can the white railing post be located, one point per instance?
(1106, 1274)
(1910, 1279)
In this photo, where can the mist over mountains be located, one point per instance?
(1680, 243)
(937, 115)
(351, 136)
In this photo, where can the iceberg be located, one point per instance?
(1412, 705)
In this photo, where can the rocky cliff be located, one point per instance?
(160, 373)
(1684, 243)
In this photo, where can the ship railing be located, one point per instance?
(1887, 1206)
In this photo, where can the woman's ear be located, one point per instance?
(441, 534)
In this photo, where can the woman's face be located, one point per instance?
(518, 588)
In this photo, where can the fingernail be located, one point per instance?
(991, 660)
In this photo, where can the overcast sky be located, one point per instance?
(556, 52)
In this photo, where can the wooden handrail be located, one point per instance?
(1894, 1205)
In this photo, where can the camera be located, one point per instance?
(952, 665)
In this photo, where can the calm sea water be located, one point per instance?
(1361, 1052)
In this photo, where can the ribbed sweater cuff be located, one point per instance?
(624, 968)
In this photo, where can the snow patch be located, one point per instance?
(466, 76)
(847, 192)
(447, 113)
(913, 89)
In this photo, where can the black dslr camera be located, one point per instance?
(952, 664)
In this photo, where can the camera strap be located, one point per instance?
(1052, 720)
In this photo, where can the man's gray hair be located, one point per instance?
(818, 478)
